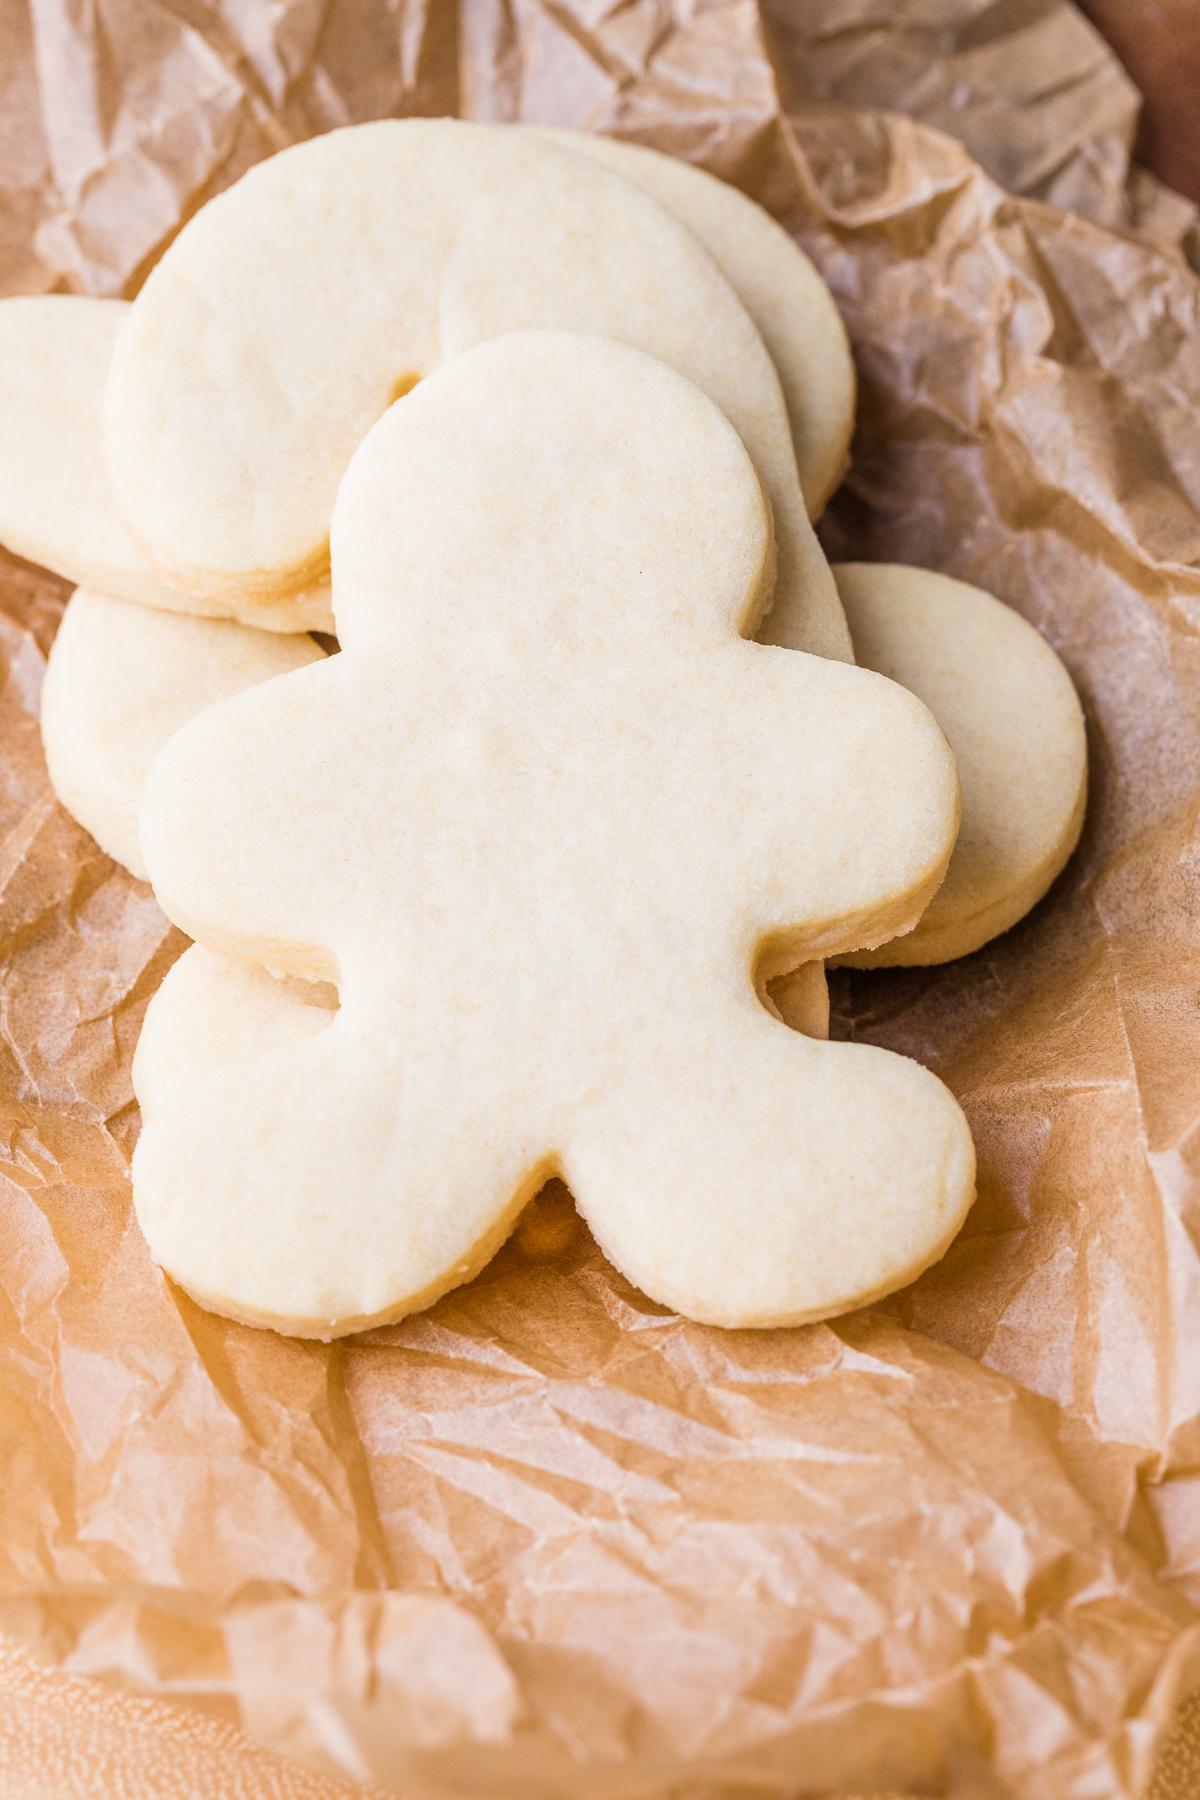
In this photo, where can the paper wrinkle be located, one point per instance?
(548, 1537)
(1031, 89)
(1053, 430)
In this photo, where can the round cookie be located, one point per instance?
(238, 394)
(1008, 707)
(775, 282)
(545, 821)
(57, 505)
(121, 679)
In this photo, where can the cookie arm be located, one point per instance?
(234, 823)
(838, 810)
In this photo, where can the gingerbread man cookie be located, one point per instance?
(543, 822)
(238, 393)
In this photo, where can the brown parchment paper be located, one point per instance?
(1032, 90)
(65, 1738)
(547, 1539)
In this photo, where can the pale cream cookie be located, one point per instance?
(121, 678)
(213, 1010)
(544, 822)
(1014, 722)
(239, 391)
(775, 282)
(57, 505)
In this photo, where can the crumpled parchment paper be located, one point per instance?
(548, 1539)
(1031, 90)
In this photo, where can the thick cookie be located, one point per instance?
(238, 393)
(1014, 723)
(121, 679)
(777, 285)
(774, 280)
(57, 505)
(213, 1010)
(542, 821)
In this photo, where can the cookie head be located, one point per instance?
(574, 535)
(543, 822)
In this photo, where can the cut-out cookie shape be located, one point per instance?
(120, 680)
(238, 393)
(1014, 722)
(57, 505)
(540, 821)
(777, 285)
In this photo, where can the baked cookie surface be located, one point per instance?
(543, 822)
(238, 393)
(57, 504)
(1011, 713)
(213, 1010)
(776, 283)
(120, 680)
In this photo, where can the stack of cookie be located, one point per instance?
(497, 892)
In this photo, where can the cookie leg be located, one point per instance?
(285, 1193)
(769, 1179)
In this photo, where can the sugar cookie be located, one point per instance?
(1013, 719)
(541, 822)
(57, 506)
(238, 393)
(212, 1010)
(121, 678)
(775, 282)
